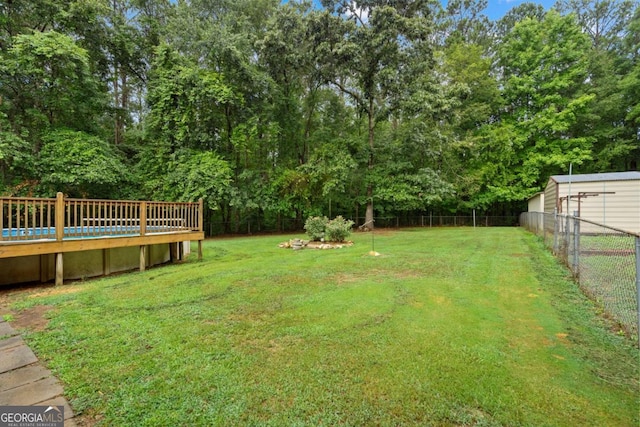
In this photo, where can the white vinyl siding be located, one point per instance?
(550, 196)
(536, 203)
(619, 210)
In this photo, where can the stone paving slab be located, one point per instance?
(7, 330)
(32, 393)
(21, 376)
(11, 342)
(60, 401)
(23, 381)
(16, 357)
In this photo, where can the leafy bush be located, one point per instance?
(315, 226)
(338, 229)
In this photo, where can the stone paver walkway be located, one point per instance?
(23, 380)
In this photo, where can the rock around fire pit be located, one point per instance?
(297, 244)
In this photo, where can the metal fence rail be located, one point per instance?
(605, 261)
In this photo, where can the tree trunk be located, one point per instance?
(368, 218)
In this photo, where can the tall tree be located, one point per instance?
(607, 24)
(544, 64)
(47, 82)
(132, 30)
(368, 50)
(464, 22)
(630, 86)
(517, 14)
(605, 21)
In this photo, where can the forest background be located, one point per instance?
(273, 112)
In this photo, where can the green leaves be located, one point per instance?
(80, 165)
(188, 102)
(193, 175)
(286, 110)
(545, 68)
(48, 78)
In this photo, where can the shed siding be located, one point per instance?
(550, 196)
(619, 210)
(536, 203)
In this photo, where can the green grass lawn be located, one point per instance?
(448, 327)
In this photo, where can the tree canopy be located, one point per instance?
(272, 112)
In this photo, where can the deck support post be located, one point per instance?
(174, 252)
(106, 261)
(59, 269)
(143, 260)
(199, 249)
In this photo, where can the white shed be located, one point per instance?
(536, 203)
(611, 199)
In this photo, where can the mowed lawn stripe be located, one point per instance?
(446, 327)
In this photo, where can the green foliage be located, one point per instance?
(321, 228)
(197, 174)
(316, 226)
(404, 106)
(544, 65)
(80, 165)
(47, 78)
(15, 155)
(187, 102)
(338, 229)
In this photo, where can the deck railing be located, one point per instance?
(27, 218)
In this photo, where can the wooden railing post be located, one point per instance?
(200, 224)
(2, 220)
(59, 216)
(59, 236)
(143, 218)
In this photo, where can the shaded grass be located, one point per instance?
(448, 327)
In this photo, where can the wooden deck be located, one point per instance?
(37, 226)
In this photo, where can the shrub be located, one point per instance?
(338, 229)
(315, 226)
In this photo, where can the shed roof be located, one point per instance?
(594, 177)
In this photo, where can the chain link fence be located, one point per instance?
(290, 225)
(605, 262)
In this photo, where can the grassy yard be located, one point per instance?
(448, 327)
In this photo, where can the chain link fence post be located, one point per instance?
(638, 284)
(556, 231)
(576, 245)
(567, 238)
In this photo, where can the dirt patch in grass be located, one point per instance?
(10, 294)
(33, 319)
(88, 419)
